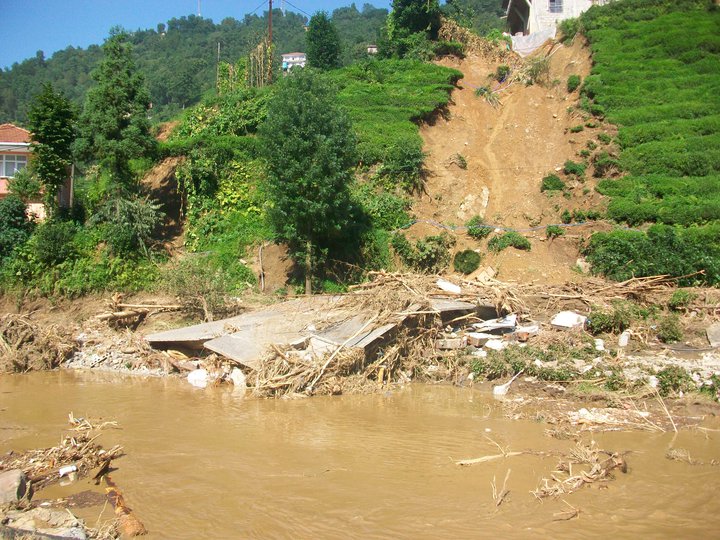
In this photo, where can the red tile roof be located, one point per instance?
(10, 133)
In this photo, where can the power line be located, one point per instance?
(297, 8)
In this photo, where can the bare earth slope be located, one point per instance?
(508, 149)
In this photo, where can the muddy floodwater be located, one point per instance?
(208, 464)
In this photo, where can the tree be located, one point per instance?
(412, 16)
(114, 123)
(310, 150)
(323, 42)
(51, 120)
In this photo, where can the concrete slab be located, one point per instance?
(713, 334)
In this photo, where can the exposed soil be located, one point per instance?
(508, 150)
(160, 183)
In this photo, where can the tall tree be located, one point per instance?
(323, 42)
(411, 16)
(114, 123)
(309, 145)
(51, 120)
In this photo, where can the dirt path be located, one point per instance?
(508, 150)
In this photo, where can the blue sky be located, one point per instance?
(51, 25)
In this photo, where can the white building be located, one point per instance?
(530, 16)
(293, 59)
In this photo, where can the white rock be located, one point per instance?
(653, 381)
(568, 319)
(238, 378)
(599, 345)
(624, 339)
(496, 344)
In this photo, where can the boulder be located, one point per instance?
(13, 486)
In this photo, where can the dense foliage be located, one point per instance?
(655, 75)
(51, 121)
(178, 58)
(323, 43)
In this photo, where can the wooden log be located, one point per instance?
(121, 315)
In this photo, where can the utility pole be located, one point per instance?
(199, 15)
(270, 21)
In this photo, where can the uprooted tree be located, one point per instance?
(310, 150)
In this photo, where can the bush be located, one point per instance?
(577, 169)
(673, 379)
(614, 321)
(403, 166)
(570, 27)
(553, 231)
(508, 239)
(501, 73)
(680, 299)
(604, 138)
(669, 330)
(53, 242)
(605, 165)
(552, 182)
(430, 254)
(128, 224)
(566, 216)
(573, 83)
(15, 227)
(449, 48)
(577, 129)
(467, 261)
(477, 228)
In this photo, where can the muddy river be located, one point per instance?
(209, 464)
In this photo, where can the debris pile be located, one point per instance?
(26, 346)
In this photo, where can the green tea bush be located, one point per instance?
(449, 48)
(619, 318)
(552, 182)
(570, 27)
(605, 165)
(386, 210)
(604, 138)
(553, 231)
(467, 261)
(577, 169)
(508, 239)
(477, 228)
(577, 129)
(573, 83)
(403, 166)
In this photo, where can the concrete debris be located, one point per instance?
(713, 335)
(568, 319)
(478, 339)
(508, 323)
(46, 522)
(599, 345)
(13, 486)
(451, 343)
(448, 287)
(624, 339)
(496, 344)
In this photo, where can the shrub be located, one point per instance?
(570, 27)
(553, 231)
(680, 299)
(673, 379)
(25, 185)
(403, 165)
(573, 83)
(449, 48)
(502, 72)
(538, 70)
(53, 242)
(614, 321)
(592, 145)
(477, 228)
(552, 182)
(605, 165)
(669, 330)
(459, 160)
(577, 129)
(566, 216)
(604, 138)
(14, 224)
(127, 224)
(467, 261)
(577, 169)
(430, 254)
(508, 239)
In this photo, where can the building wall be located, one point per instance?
(541, 18)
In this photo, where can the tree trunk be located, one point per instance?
(308, 268)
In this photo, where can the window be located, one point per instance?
(10, 164)
(555, 6)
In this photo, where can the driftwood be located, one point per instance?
(128, 524)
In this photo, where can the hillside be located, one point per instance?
(178, 58)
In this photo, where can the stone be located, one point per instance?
(47, 522)
(13, 486)
(452, 343)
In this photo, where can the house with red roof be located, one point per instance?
(15, 154)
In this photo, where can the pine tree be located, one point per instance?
(114, 123)
(309, 145)
(323, 42)
(51, 120)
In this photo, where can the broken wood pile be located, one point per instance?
(26, 346)
(42, 466)
(598, 466)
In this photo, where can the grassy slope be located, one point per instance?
(656, 74)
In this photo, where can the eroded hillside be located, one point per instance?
(508, 149)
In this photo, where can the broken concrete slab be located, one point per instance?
(501, 325)
(13, 486)
(568, 319)
(713, 335)
(451, 344)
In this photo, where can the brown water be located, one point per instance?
(207, 464)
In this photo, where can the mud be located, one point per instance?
(204, 463)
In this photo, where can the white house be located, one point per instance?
(293, 59)
(529, 16)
